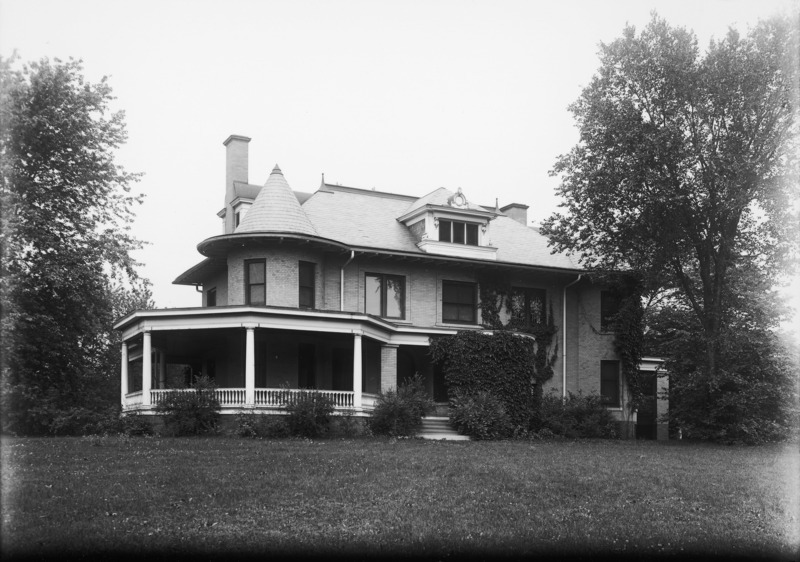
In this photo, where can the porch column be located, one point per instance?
(147, 368)
(388, 367)
(357, 374)
(124, 373)
(250, 367)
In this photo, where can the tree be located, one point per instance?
(67, 269)
(686, 167)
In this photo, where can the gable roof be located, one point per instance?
(276, 209)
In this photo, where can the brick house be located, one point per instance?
(341, 290)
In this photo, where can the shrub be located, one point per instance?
(309, 413)
(580, 416)
(399, 412)
(261, 425)
(191, 412)
(134, 424)
(480, 415)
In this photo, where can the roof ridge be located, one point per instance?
(362, 191)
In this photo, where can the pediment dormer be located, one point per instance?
(447, 223)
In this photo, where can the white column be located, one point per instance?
(357, 374)
(250, 367)
(124, 373)
(147, 368)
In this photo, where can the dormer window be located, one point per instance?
(458, 232)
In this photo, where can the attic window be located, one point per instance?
(458, 232)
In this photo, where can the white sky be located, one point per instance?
(403, 96)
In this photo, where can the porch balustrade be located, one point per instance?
(265, 397)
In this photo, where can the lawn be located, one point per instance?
(242, 497)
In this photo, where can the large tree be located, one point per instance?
(686, 166)
(67, 269)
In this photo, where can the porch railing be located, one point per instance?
(271, 397)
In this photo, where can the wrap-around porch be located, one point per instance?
(259, 357)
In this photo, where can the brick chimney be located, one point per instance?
(236, 170)
(517, 211)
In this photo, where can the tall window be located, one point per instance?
(306, 284)
(458, 232)
(459, 302)
(255, 282)
(528, 306)
(211, 297)
(609, 383)
(385, 295)
(609, 307)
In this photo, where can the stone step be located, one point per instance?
(438, 427)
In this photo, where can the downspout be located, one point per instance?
(341, 280)
(564, 338)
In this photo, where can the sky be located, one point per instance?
(401, 96)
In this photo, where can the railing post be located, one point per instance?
(147, 368)
(357, 374)
(123, 374)
(250, 367)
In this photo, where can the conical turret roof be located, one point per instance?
(276, 209)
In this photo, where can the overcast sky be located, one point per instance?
(403, 96)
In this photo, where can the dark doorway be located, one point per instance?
(342, 369)
(306, 365)
(647, 416)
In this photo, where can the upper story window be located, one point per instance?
(211, 297)
(459, 302)
(385, 295)
(609, 383)
(528, 306)
(609, 307)
(255, 282)
(458, 232)
(306, 280)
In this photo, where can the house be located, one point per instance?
(341, 290)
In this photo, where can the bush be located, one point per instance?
(261, 425)
(191, 412)
(480, 415)
(309, 413)
(578, 417)
(399, 412)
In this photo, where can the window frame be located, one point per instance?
(609, 307)
(384, 294)
(248, 285)
(527, 293)
(312, 288)
(605, 379)
(465, 229)
(473, 306)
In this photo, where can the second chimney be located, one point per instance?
(516, 211)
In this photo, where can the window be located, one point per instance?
(385, 295)
(458, 232)
(255, 281)
(459, 302)
(609, 383)
(306, 284)
(528, 306)
(609, 307)
(211, 297)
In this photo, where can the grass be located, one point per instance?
(238, 496)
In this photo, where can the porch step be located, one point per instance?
(436, 427)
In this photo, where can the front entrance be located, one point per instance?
(647, 417)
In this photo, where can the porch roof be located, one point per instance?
(292, 319)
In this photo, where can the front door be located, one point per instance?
(647, 418)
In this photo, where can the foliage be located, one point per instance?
(498, 363)
(686, 167)
(191, 412)
(753, 396)
(261, 425)
(579, 416)
(66, 271)
(480, 415)
(309, 413)
(399, 412)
